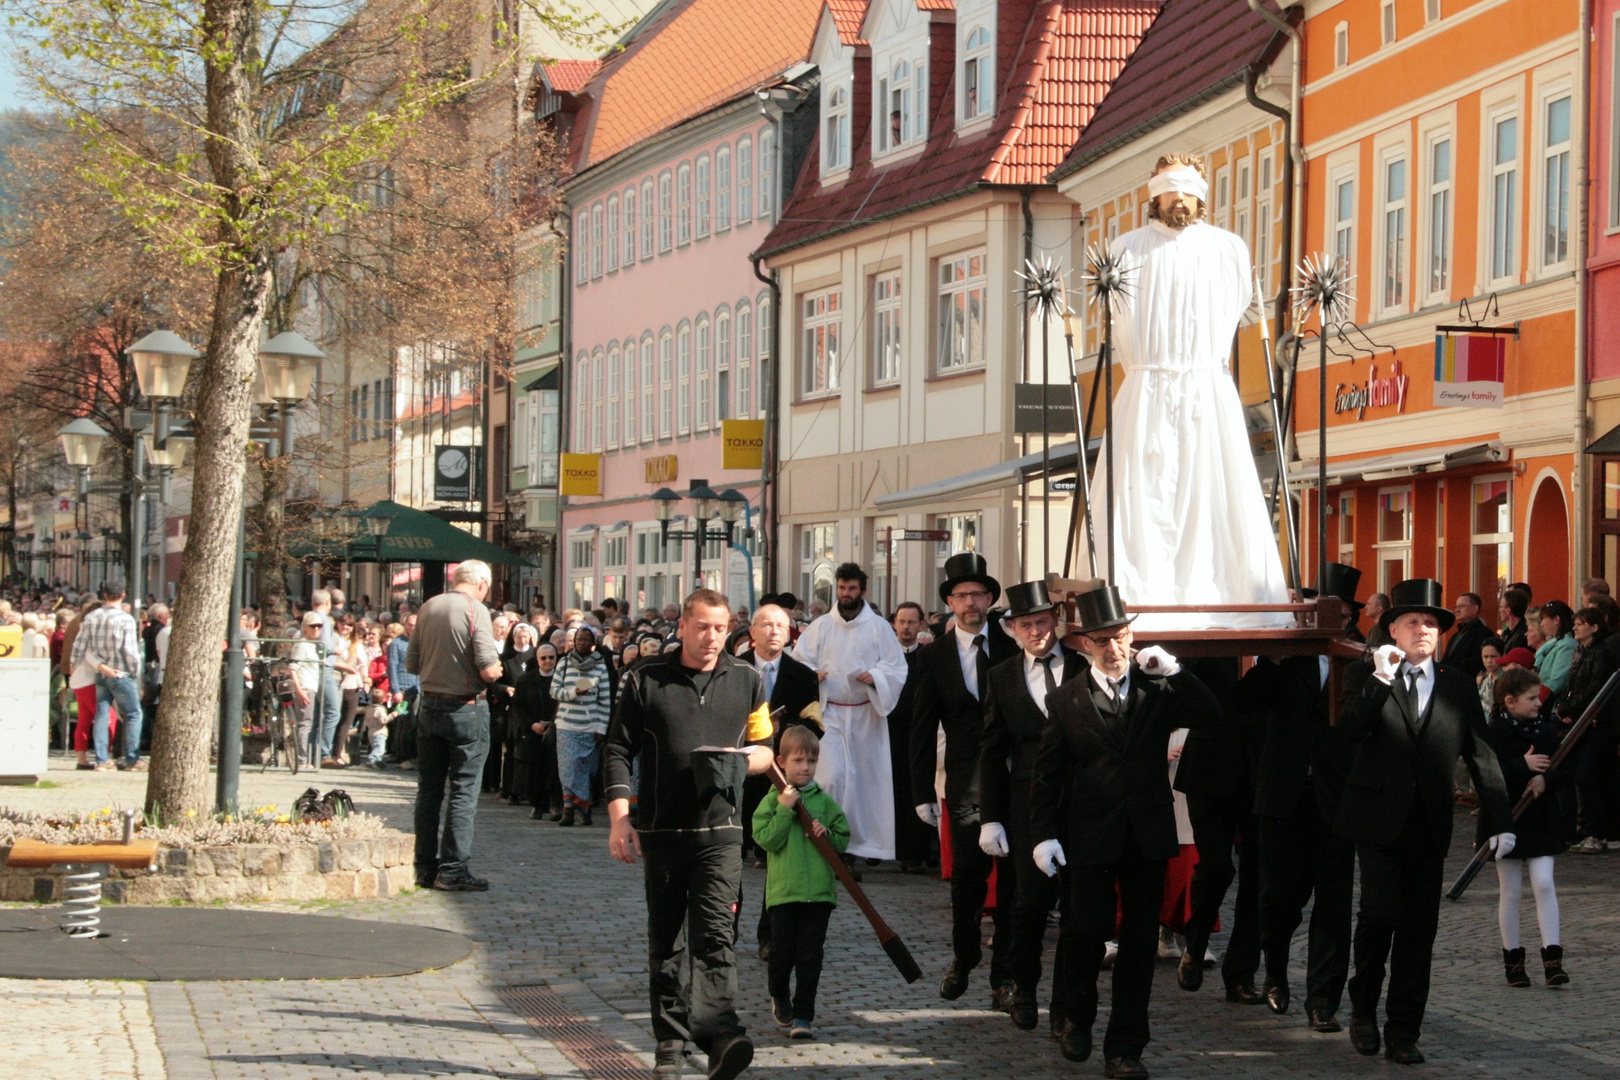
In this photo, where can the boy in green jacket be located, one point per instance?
(800, 889)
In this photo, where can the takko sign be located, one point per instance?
(661, 469)
(1374, 393)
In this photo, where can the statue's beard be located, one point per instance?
(1178, 217)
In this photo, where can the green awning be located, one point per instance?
(413, 536)
(550, 379)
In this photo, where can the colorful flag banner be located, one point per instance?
(1469, 370)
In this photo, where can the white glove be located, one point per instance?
(1503, 844)
(929, 813)
(1387, 661)
(993, 839)
(1049, 856)
(1156, 662)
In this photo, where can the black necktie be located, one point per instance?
(982, 662)
(1046, 669)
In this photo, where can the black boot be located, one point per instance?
(1552, 959)
(1513, 961)
(568, 817)
(585, 815)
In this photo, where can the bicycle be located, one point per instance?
(282, 722)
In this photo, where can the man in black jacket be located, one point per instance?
(1104, 748)
(1463, 650)
(913, 840)
(1408, 720)
(1015, 715)
(789, 688)
(952, 676)
(687, 828)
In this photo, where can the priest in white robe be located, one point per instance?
(1190, 520)
(854, 652)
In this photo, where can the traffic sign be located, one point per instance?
(937, 535)
(1064, 484)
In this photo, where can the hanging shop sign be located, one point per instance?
(581, 475)
(743, 444)
(1039, 407)
(661, 468)
(1377, 392)
(1469, 370)
(456, 473)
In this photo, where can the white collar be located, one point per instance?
(964, 638)
(1055, 652)
(1101, 681)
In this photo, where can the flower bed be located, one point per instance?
(259, 854)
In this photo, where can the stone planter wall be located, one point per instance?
(332, 870)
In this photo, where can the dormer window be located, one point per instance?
(900, 97)
(835, 134)
(978, 67)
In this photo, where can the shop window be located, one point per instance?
(1394, 549)
(818, 545)
(1491, 539)
(1347, 529)
(1608, 517)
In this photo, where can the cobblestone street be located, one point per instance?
(563, 918)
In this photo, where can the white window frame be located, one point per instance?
(1223, 199)
(902, 89)
(1551, 155)
(978, 76)
(598, 398)
(1438, 241)
(722, 188)
(649, 388)
(1393, 294)
(1401, 547)
(888, 328)
(745, 360)
(1432, 12)
(683, 204)
(1388, 28)
(1242, 194)
(666, 211)
(666, 383)
(821, 319)
(628, 389)
(722, 364)
(703, 343)
(649, 218)
(835, 132)
(1500, 265)
(683, 378)
(611, 245)
(702, 178)
(628, 227)
(1342, 166)
(764, 344)
(972, 288)
(745, 179)
(1341, 46)
(1498, 538)
(610, 434)
(596, 240)
(767, 175)
(582, 243)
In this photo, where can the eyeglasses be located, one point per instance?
(976, 594)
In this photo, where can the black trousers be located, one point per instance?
(1133, 886)
(798, 933)
(1594, 779)
(1035, 895)
(1400, 911)
(970, 884)
(913, 840)
(692, 895)
(1219, 825)
(1301, 857)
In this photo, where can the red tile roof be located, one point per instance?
(847, 16)
(1059, 57)
(697, 55)
(1195, 51)
(568, 76)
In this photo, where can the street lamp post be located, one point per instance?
(707, 503)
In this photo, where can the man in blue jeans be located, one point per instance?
(110, 639)
(331, 703)
(453, 653)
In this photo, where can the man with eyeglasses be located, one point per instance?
(953, 676)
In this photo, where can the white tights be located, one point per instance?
(1511, 882)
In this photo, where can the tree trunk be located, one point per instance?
(272, 547)
(189, 712)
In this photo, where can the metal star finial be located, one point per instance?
(1324, 285)
(1043, 287)
(1108, 278)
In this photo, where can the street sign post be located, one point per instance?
(937, 536)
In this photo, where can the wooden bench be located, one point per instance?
(135, 855)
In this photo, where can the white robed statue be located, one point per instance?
(854, 651)
(1190, 520)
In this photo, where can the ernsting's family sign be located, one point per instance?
(1374, 393)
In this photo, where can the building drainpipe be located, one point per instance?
(1295, 165)
(770, 509)
(1577, 480)
(1023, 333)
(565, 408)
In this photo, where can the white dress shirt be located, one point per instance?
(1118, 690)
(1425, 681)
(967, 653)
(767, 672)
(1035, 678)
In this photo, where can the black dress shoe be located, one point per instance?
(1403, 1053)
(729, 1056)
(1022, 1007)
(1276, 995)
(1243, 994)
(1323, 1021)
(1190, 972)
(1074, 1044)
(1364, 1035)
(1059, 1024)
(1121, 1068)
(1001, 998)
(955, 982)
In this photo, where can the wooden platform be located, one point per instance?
(135, 855)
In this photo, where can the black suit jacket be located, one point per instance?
(1116, 778)
(1462, 651)
(1220, 759)
(1404, 763)
(901, 716)
(1514, 638)
(1300, 746)
(1012, 735)
(796, 686)
(942, 700)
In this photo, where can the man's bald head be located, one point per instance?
(770, 630)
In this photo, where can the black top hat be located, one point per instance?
(1418, 594)
(968, 566)
(1101, 609)
(1341, 582)
(1028, 598)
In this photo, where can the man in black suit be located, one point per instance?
(1513, 628)
(913, 841)
(1015, 714)
(789, 686)
(1302, 768)
(1217, 774)
(1104, 747)
(1408, 719)
(952, 676)
(1463, 650)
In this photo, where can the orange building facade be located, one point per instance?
(1443, 143)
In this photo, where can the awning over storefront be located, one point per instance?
(1606, 444)
(1302, 474)
(413, 536)
(549, 379)
(990, 478)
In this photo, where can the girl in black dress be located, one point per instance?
(535, 711)
(1524, 741)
